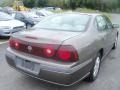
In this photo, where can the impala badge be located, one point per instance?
(29, 48)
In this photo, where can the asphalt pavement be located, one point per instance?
(108, 79)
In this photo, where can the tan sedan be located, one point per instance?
(63, 49)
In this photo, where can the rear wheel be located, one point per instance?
(95, 70)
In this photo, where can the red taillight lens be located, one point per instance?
(14, 44)
(11, 42)
(49, 51)
(67, 53)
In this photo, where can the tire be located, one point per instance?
(115, 43)
(95, 70)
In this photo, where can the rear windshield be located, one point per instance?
(67, 22)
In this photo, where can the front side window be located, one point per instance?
(109, 23)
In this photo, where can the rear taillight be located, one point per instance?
(17, 45)
(65, 53)
(11, 42)
(49, 51)
(14, 44)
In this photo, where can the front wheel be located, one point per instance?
(115, 43)
(95, 70)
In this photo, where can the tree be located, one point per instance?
(29, 3)
(40, 3)
(6, 3)
(103, 5)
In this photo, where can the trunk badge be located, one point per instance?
(29, 48)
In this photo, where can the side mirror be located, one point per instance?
(115, 25)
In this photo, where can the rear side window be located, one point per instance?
(101, 23)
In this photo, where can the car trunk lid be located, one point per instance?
(45, 36)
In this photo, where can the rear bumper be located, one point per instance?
(51, 74)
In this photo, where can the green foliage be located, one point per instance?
(4, 3)
(29, 3)
(102, 5)
(40, 3)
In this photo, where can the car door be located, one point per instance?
(103, 33)
(113, 33)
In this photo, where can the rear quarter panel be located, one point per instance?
(86, 43)
(89, 42)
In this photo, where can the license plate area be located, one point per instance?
(28, 66)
